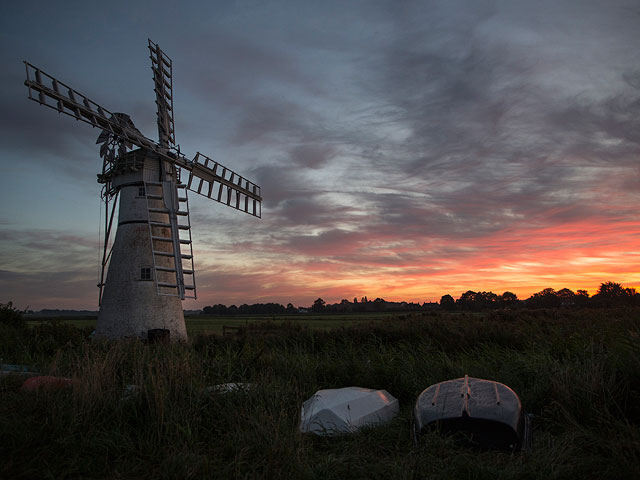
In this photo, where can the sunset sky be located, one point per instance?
(405, 150)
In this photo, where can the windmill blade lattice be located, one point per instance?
(52, 93)
(223, 185)
(163, 86)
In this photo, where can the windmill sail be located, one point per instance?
(48, 91)
(223, 185)
(163, 79)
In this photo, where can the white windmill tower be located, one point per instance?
(150, 265)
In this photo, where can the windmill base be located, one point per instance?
(127, 321)
(131, 305)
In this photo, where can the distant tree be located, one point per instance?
(471, 300)
(425, 305)
(546, 292)
(270, 308)
(566, 297)
(467, 300)
(318, 305)
(377, 305)
(218, 309)
(612, 290)
(447, 302)
(582, 298)
(486, 300)
(232, 310)
(355, 300)
(343, 307)
(291, 308)
(546, 298)
(612, 293)
(508, 299)
(11, 316)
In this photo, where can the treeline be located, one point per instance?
(609, 294)
(255, 309)
(319, 306)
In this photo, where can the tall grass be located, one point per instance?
(577, 372)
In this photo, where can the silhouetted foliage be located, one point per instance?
(244, 309)
(11, 316)
(581, 298)
(476, 301)
(609, 294)
(215, 310)
(447, 302)
(318, 305)
(508, 299)
(547, 298)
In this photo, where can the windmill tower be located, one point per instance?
(149, 269)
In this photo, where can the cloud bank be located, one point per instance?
(403, 150)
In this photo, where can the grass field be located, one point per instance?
(578, 372)
(207, 324)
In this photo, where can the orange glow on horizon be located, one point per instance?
(524, 260)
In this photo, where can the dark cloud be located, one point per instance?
(43, 268)
(37, 290)
(40, 130)
(41, 137)
(270, 120)
(312, 155)
(229, 67)
(47, 250)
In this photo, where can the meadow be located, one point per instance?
(576, 371)
(208, 324)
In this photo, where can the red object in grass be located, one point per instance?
(46, 383)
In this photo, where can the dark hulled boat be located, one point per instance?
(488, 414)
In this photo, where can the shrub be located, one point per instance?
(11, 316)
(47, 338)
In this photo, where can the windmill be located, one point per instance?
(149, 269)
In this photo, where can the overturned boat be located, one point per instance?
(346, 410)
(487, 414)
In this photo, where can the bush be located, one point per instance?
(11, 316)
(35, 345)
(47, 338)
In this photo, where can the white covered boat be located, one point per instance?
(345, 410)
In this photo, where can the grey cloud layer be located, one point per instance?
(380, 131)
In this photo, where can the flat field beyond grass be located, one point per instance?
(206, 324)
(577, 371)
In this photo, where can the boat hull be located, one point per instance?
(484, 413)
